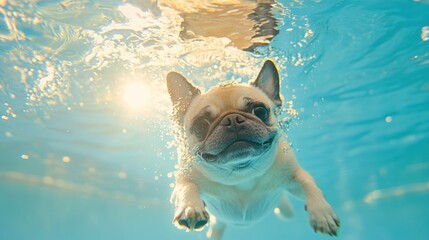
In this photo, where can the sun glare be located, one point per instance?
(135, 95)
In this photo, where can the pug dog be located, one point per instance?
(235, 164)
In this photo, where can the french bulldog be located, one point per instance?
(235, 164)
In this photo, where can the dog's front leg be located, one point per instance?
(190, 210)
(322, 216)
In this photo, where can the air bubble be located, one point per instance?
(425, 33)
(122, 175)
(388, 119)
(66, 159)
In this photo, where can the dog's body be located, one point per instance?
(235, 163)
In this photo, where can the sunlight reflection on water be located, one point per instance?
(71, 57)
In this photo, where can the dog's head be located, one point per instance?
(231, 129)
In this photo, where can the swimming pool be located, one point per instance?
(86, 150)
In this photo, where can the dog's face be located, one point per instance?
(231, 130)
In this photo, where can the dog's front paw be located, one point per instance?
(191, 218)
(323, 218)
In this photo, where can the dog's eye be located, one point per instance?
(201, 127)
(261, 112)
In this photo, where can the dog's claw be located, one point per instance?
(337, 222)
(322, 218)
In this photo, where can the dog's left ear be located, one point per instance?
(268, 81)
(181, 93)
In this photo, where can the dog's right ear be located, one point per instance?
(181, 93)
(268, 81)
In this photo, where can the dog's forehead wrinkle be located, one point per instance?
(234, 96)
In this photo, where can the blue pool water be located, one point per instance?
(86, 150)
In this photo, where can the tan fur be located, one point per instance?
(242, 198)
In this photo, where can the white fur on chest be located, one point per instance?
(241, 208)
(243, 204)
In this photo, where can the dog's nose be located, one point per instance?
(232, 121)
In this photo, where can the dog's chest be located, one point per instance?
(241, 205)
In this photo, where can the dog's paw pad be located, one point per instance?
(184, 223)
(191, 218)
(200, 223)
(323, 219)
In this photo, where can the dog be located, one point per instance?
(235, 164)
